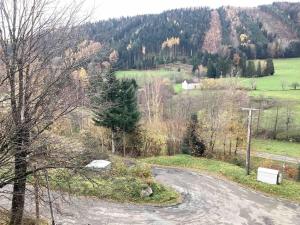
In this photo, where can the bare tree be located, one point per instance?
(152, 98)
(37, 40)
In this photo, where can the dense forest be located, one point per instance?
(242, 34)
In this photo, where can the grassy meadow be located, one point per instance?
(141, 76)
(283, 148)
(287, 71)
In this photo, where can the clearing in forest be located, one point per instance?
(213, 38)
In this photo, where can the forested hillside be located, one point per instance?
(195, 34)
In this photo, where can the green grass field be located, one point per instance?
(144, 73)
(288, 189)
(141, 76)
(287, 71)
(277, 147)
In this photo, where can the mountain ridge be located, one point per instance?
(266, 31)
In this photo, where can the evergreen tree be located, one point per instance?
(243, 65)
(104, 98)
(211, 70)
(270, 70)
(115, 104)
(224, 66)
(192, 145)
(129, 114)
(258, 70)
(250, 69)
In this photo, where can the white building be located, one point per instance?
(191, 86)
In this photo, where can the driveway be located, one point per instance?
(207, 200)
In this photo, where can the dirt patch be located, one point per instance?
(213, 38)
(232, 15)
(273, 25)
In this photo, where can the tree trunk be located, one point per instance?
(19, 187)
(102, 142)
(236, 145)
(124, 144)
(113, 142)
(36, 196)
(224, 146)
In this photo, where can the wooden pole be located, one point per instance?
(248, 152)
(248, 143)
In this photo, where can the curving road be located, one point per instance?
(207, 200)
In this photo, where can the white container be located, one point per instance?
(99, 165)
(268, 176)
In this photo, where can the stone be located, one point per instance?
(99, 165)
(146, 192)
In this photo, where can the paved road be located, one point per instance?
(207, 200)
(282, 158)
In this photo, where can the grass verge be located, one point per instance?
(284, 148)
(288, 189)
(123, 183)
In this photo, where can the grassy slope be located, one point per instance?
(277, 147)
(123, 184)
(141, 76)
(286, 70)
(143, 73)
(288, 189)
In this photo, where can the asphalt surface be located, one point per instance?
(282, 158)
(206, 200)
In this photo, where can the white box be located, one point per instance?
(99, 165)
(268, 176)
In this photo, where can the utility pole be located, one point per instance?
(249, 138)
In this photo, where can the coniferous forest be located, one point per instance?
(144, 42)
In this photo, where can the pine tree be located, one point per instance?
(115, 104)
(192, 145)
(211, 70)
(270, 70)
(250, 69)
(258, 70)
(129, 114)
(243, 65)
(104, 99)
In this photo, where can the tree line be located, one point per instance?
(139, 40)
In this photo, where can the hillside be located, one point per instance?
(268, 31)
